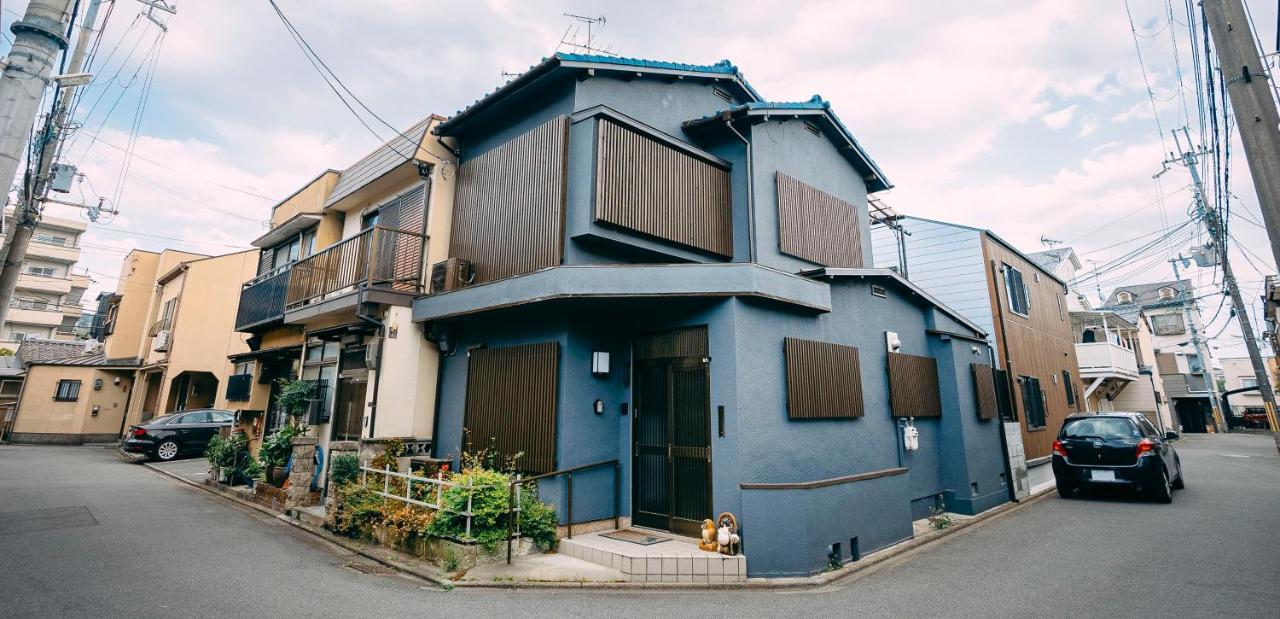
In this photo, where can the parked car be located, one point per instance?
(184, 433)
(1255, 418)
(1116, 449)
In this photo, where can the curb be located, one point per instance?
(848, 573)
(343, 542)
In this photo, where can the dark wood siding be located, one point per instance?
(688, 342)
(508, 216)
(824, 380)
(817, 226)
(913, 386)
(649, 187)
(1166, 363)
(511, 403)
(984, 388)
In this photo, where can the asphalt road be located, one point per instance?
(83, 534)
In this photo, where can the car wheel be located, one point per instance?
(167, 451)
(1178, 483)
(1066, 491)
(1163, 493)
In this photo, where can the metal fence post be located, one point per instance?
(570, 476)
(511, 504)
(617, 493)
(469, 493)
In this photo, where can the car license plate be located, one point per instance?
(1097, 475)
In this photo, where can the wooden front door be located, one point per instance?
(348, 418)
(671, 432)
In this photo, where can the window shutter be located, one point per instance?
(984, 389)
(824, 380)
(913, 386)
(511, 403)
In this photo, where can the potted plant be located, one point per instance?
(231, 458)
(275, 451)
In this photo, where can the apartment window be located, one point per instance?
(109, 323)
(1070, 387)
(68, 391)
(1124, 298)
(308, 242)
(42, 271)
(1168, 324)
(166, 317)
(244, 367)
(1019, 300)
(1062, 314)
(1167, 294)
(10, 387)
(49, 239)
(1032, 401)
(1248, 382)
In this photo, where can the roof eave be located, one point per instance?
(895, 277)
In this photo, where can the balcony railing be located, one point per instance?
(1106, 358)
(379, 256)
(262, 299)
(164, 324)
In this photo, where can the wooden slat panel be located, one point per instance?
(824, 380)
(817, 226)
(509, 207)
(984, 388)
(511, 403)
(690, 342)
(651, 188)
(913, 386)
(1167, 363)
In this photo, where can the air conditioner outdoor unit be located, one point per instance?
(161, 341)
(451, 274)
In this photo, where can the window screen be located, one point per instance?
(1033, 402)
(68, 390)
(1017, 291)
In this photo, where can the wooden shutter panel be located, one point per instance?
(984, 388)
(1167, 363)
(817, 226)
(824, 380)
(913, 386)
(511, 403)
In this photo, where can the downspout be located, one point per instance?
(377, 362)
(751, 193)
(128, 399)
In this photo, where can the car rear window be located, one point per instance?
(1100, 427)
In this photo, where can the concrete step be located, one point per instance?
(676, 560)
(313, 515)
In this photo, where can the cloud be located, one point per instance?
(1060, 118)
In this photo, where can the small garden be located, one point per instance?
(482, 489)
(237, 465)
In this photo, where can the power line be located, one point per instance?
(1151, 95)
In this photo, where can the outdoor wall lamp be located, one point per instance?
(95, 410)
(116, 380)
(600, 363)
(598, 407)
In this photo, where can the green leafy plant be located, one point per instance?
(278, 445)
(359, 509)
(295, 396)
(5, 352)
(344, 469)
(488, 491)
(232, 454)
(939, 519)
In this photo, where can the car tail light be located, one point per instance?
(139, 433)
(1146, 446)
(1059, 449)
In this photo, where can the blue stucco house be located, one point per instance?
(653, 265)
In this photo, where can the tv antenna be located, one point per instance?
(570, 38)
(1050, 243)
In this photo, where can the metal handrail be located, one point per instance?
(363, 259)
(513, 495)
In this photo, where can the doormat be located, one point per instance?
(635, 537)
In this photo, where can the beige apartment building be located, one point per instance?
(46, 300)
(329, 302)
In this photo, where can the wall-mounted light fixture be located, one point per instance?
(600, 363)
(116, 380)
(598, 407)
(94, 412)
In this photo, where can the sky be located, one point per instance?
(1031, 118)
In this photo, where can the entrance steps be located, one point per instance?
(678, 559)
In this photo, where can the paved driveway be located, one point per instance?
(84, 534)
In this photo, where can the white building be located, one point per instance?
(46, 302)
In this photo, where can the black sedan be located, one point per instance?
(1116, 449)
(186, 432)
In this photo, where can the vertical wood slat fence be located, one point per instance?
(377, 256)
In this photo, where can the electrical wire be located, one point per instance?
(1151, 95)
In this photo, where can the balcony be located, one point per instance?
(22, 312)
(262, 299)
(383, 258)
(1106, 360)
(44, 283)
(61, 252)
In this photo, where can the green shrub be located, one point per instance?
(294, 396)
(278, 445)
(359, 509)
(233, 453)
(344, 470)
(489, 491)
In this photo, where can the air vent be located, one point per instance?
(723, 95)
(812, 128)
(879, 291)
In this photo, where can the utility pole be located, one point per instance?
(1197, 342)
(37, 39)
(1219, 236)
(1245, 76)
(35, 184)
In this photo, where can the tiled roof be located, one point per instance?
(91, 359)
(382, 160)
(1147, 294)
(39, 350)
(1050, 258)
(641, 65)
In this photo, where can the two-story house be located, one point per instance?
(1182, 367)
(329, 303)
(1023, 308)
(661, 281)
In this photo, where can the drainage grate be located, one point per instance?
(371, 568)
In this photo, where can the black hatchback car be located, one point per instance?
(186, 432)
(1116, 449)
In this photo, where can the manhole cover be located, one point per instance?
(371, 568)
